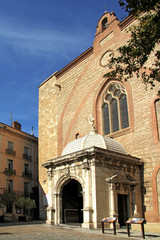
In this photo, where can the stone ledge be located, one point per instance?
(148, 227)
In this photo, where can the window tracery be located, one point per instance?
(114, 108)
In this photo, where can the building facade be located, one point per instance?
(98, 138)
(18, 167)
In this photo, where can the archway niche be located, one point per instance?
(72, 202)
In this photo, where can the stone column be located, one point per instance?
(87, 210)
(50, 215)
(135, 210)
(50, 209)
(57, 208)
(113, 211)
(112, 193)
(112, 199)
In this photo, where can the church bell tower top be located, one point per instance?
(105, 21)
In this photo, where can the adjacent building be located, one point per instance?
(99, 138)
(18, 166)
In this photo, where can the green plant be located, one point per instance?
(25, 204)
(6, 201)
(145, 37)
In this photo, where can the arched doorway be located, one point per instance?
(72, 202)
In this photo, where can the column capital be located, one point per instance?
(112, 185)
(50, 173)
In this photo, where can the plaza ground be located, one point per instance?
(42, 231)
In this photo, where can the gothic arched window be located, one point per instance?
(157, 108)
(114, 109)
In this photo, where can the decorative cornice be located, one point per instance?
(76, 61)
(5, 128)
(94, 154)
(126, 22)
(47, 79)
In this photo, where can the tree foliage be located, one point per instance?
(6, 200)
(25, 203)
(145, 37)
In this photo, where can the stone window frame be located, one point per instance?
(157, 115)
(154, 123)
(10, 164)
(26, 187)
(26, 168)
(10, 185)
(98, 105)
(10, 145)
(118, 119)
(27, 151)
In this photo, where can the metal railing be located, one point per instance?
(16, 193)
(26, 156)
(10, 152)
(27, 174)
(10, 172)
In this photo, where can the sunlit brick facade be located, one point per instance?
(123, 111)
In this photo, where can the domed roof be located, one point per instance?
(93, 139)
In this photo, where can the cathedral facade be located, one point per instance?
(98, 138)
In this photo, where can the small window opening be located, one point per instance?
(104, 24)
(77, 135)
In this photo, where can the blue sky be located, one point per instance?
(37, 38)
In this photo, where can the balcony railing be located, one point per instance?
(4, 190)
(16, 193)
(27, 174)
(26, 194)
(9, 172)
(10, 152)
(26, 156)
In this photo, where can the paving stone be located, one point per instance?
(47, 232)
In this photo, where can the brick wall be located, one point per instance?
(63, 110)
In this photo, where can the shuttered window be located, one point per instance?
(114, 109)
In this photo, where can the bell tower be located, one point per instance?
(107, 28)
